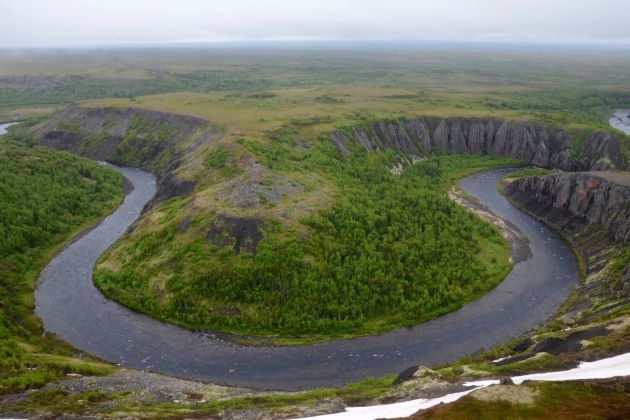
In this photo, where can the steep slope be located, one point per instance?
(577, 198)
(592, 211)
(535, 143)
(156, 141)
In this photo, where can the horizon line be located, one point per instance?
(555, 42)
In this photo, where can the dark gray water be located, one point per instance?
(621, 120)
(74, 309)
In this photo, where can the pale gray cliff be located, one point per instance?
(540, 145)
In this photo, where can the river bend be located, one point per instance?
(71, 307)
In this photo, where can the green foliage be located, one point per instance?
(354, 394)
(563, 105)
(45, 196)
(531, 172)
(391, 251)
(146, 145)
(558, 400)
(59, 402)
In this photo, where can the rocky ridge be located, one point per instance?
(535, 143)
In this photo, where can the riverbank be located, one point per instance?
(119, 335)
(41, 212)
(418, 383)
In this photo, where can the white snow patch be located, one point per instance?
(600, 369)
(484, 383)
(388, 411)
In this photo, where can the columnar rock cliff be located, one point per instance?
(540, 145)
(576, 198)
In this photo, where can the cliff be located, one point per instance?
(540, 145)
(151, 140)
(577, 198)
(592, 211)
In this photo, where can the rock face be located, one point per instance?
(128, 136)
(242, 233)
(576, 198)
(101, 133)
(540, 145)
(592, 211)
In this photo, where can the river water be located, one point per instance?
(621, 120)
(3, 128)
(70, 306)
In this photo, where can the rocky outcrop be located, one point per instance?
(142, 138)
(540, 145)
(242, 233)
(576, 198)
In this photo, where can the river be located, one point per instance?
(71, 307)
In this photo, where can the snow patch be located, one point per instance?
(600, 369)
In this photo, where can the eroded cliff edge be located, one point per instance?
(156, 141)
(538, 144)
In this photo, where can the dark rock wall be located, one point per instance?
(576, 198)
(540, 145)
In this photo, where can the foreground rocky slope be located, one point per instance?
(542, 146)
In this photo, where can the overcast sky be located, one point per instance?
(59, 22)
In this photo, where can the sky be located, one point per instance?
(84, 22)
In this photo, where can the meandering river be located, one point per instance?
(71, 307)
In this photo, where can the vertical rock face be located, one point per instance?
(598, 145)
(537, 144)
(586, 197)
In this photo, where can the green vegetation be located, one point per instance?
(351, 249)
(58, 402)
(353, 394)
(46, 197)
(559, 400)
(391, 251)
(560, 87)
(530, 172)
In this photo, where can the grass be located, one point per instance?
(353, 394)
(529, 172)
(558, 400)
